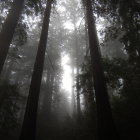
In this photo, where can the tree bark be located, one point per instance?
(106, 128)
(29, 123)
(8, 29)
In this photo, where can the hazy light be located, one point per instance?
(68, 25)
(67, 79)
(61, 9)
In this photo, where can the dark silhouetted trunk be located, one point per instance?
(8, 29)
(29, 123)
(106, 128)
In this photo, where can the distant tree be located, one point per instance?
(106, 128)
(29, 123)
(76, 52)
(77, 57)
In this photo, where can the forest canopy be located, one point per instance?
(69, 69)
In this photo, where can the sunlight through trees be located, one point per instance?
(69, 70)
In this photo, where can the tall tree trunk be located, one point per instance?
(77, 79)
(8, 29)
(29, 123)
(106, 128)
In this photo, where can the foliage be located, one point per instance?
(10, 101)
(122, 69)
(123, 18)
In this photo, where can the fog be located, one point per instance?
(66, 99)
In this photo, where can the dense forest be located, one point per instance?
(69, 70)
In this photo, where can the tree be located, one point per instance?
(29, 123)
(77, 56)
(106, 128)
(8, 29)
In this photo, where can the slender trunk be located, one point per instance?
(78, 98)
(8, 29)
(77, 79)
(73, 94)
(86, 34)
(29, 123)
(106, 128)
